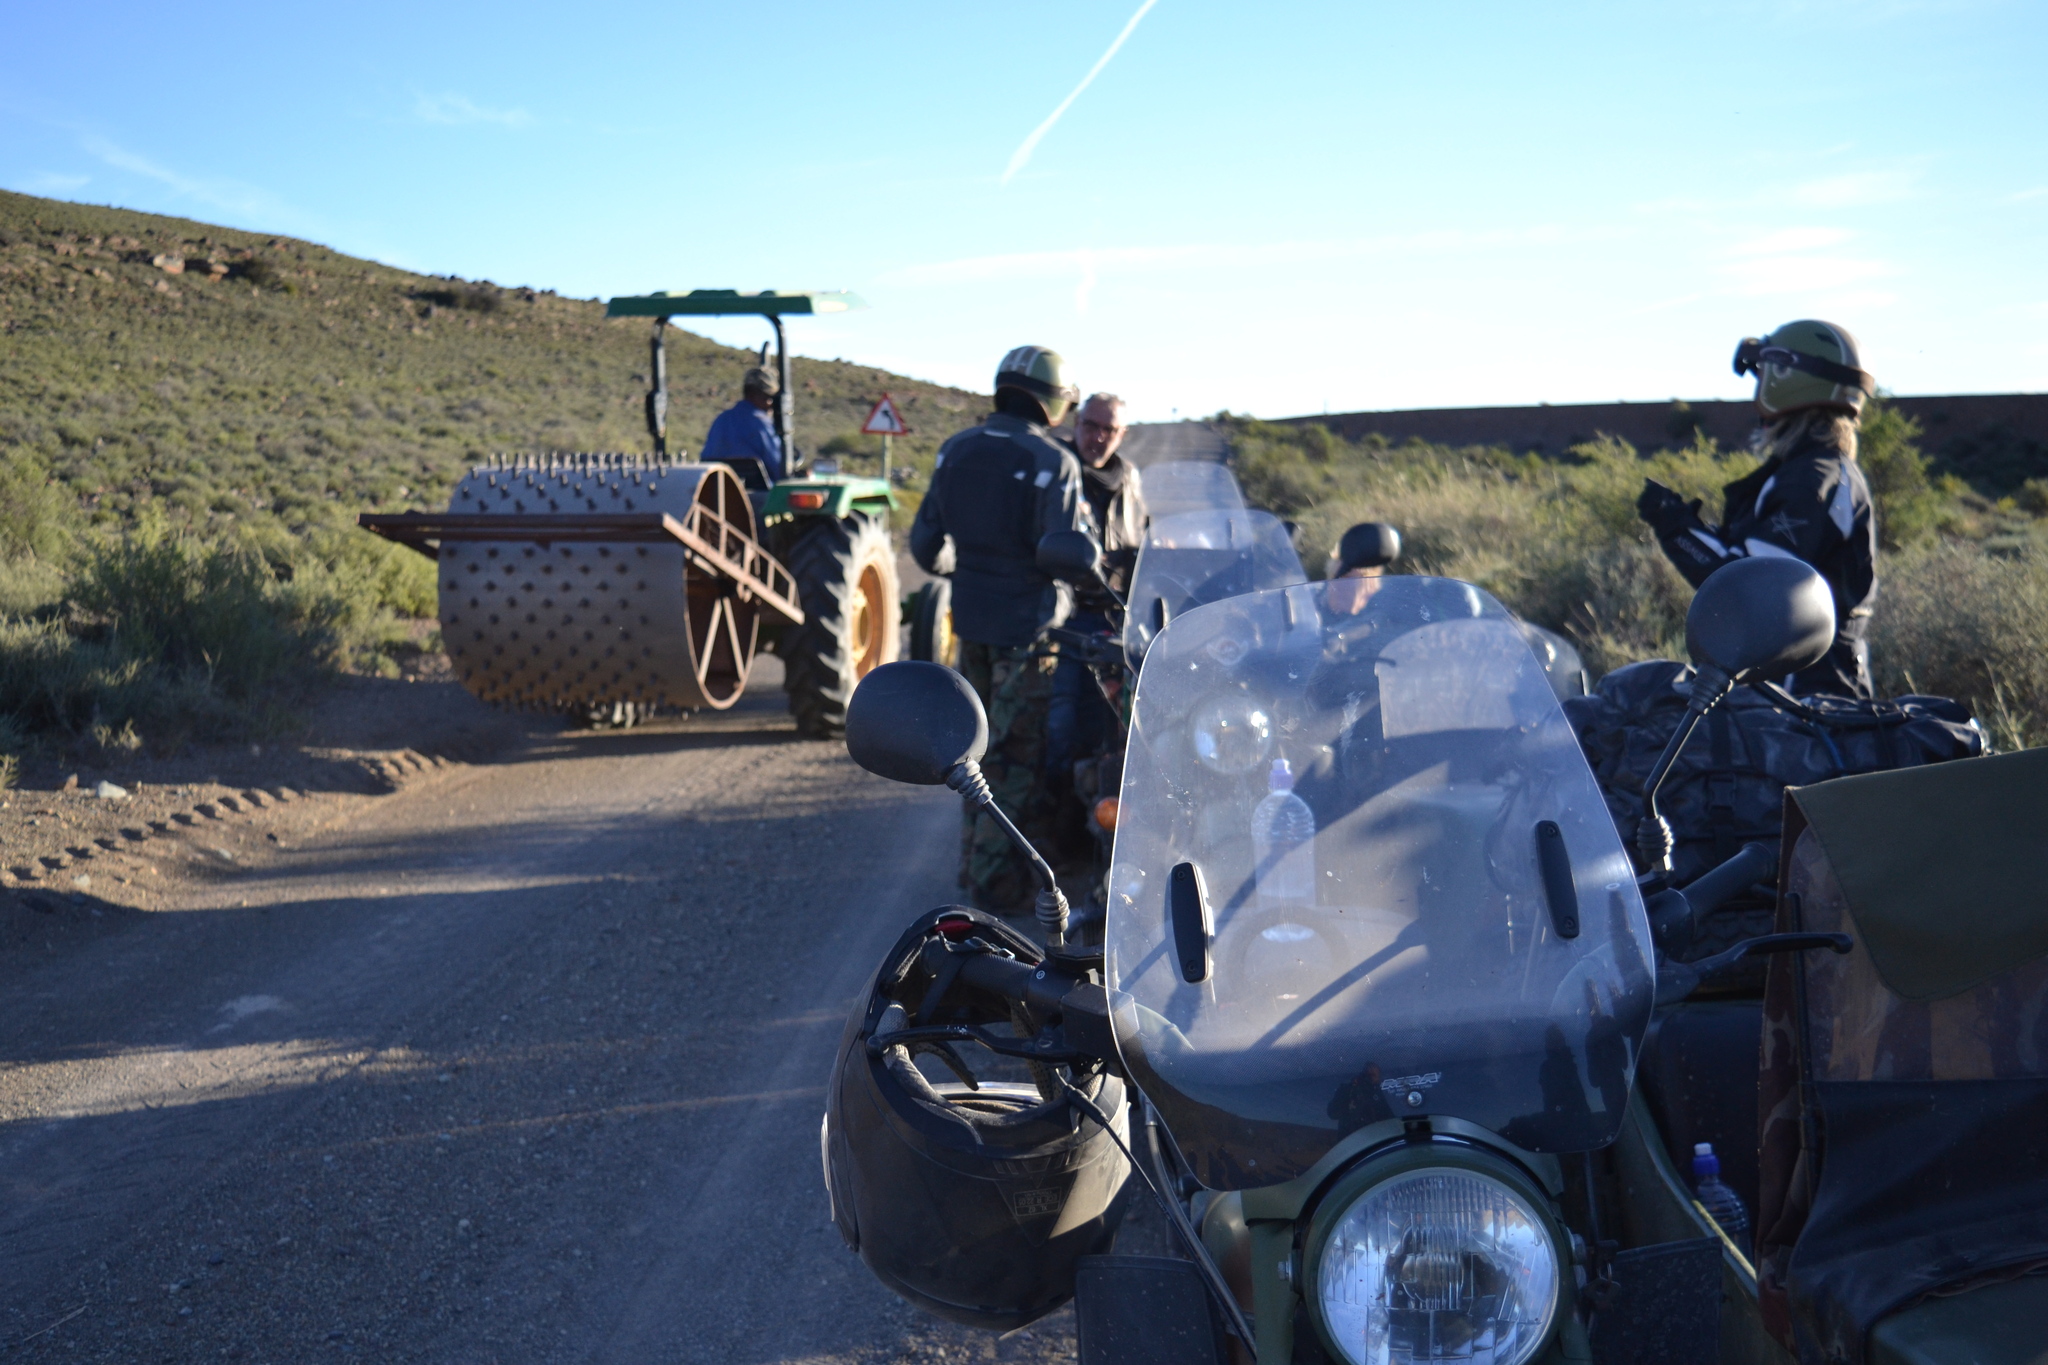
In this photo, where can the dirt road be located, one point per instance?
(520, 1063)
(1150, 443)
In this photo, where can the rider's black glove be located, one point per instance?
(1666, 510)
(1674, 519)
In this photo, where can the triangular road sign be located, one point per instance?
(884, 420)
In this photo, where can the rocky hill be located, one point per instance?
(227, 375)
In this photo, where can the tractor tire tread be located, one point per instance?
(825, 556)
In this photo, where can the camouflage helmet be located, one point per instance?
(1042, 374)
(1805, 364)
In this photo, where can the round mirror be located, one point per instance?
(1761, 617)
(1069, 556)
(915, 722)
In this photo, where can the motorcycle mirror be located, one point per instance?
(915, 722)
(1069, 556)
(1761, 617)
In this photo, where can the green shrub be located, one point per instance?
(259, 271)
(162, 636)
(1909, 506)
(214, 610)
(1959, 622)
(37, 513)
(1558, 541)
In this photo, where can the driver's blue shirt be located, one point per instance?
(743, 432)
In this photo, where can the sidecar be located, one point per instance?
(1408, 1074)
(1885, 1111)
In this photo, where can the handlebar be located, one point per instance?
(1068, 1008)
(1089, 649)
(1677, 980)
(1675, 915)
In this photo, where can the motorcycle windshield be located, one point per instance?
(1385, 941)
(1179, 486)
(1200, 557)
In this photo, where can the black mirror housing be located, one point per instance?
(1192, 923)
(1761, 617)
(915, 722)
(1070, 557)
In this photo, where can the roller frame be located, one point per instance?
(754, 571)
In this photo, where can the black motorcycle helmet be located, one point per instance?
(1368, 545)
(973, 1201)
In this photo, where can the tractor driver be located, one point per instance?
(996, 489)
(1078, 719)
(1808, 501)
(745, 431)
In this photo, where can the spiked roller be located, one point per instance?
(578, 581)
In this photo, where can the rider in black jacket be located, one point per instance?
(1808, 500)
(996, 490)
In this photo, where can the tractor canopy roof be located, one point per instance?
(729, 302)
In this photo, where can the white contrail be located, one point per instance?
(1030, 144)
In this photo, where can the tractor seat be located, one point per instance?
(752, 473)
(1699, 1075)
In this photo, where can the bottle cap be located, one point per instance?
(1281, 778)
(1703, 1149)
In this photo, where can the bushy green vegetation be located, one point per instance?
(182, 456)
(1963, 606)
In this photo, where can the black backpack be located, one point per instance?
(1727, 786)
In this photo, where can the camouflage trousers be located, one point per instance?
(1016, 689)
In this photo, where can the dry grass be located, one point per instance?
(1960, 622)
(1963, 605)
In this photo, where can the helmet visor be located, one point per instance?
(1753, 354)
(1748, 355)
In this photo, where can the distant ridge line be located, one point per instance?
(1554, 428)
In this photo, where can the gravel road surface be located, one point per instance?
(522, 1062)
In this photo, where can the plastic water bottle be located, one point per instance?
(1720, 1201)
(1283, 842)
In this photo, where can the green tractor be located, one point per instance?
(605, 585)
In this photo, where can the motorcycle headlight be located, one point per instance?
(1440, 1263)
(1232, 733)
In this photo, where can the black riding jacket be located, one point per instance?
(1810, 502)
(996, 490)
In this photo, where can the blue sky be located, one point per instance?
(1275, 209)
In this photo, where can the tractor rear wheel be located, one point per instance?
(845, 575)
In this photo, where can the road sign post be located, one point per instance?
(885, 421)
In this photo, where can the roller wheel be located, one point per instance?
(845, 575)
(931, 625)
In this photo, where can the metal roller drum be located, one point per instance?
(565, 616)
